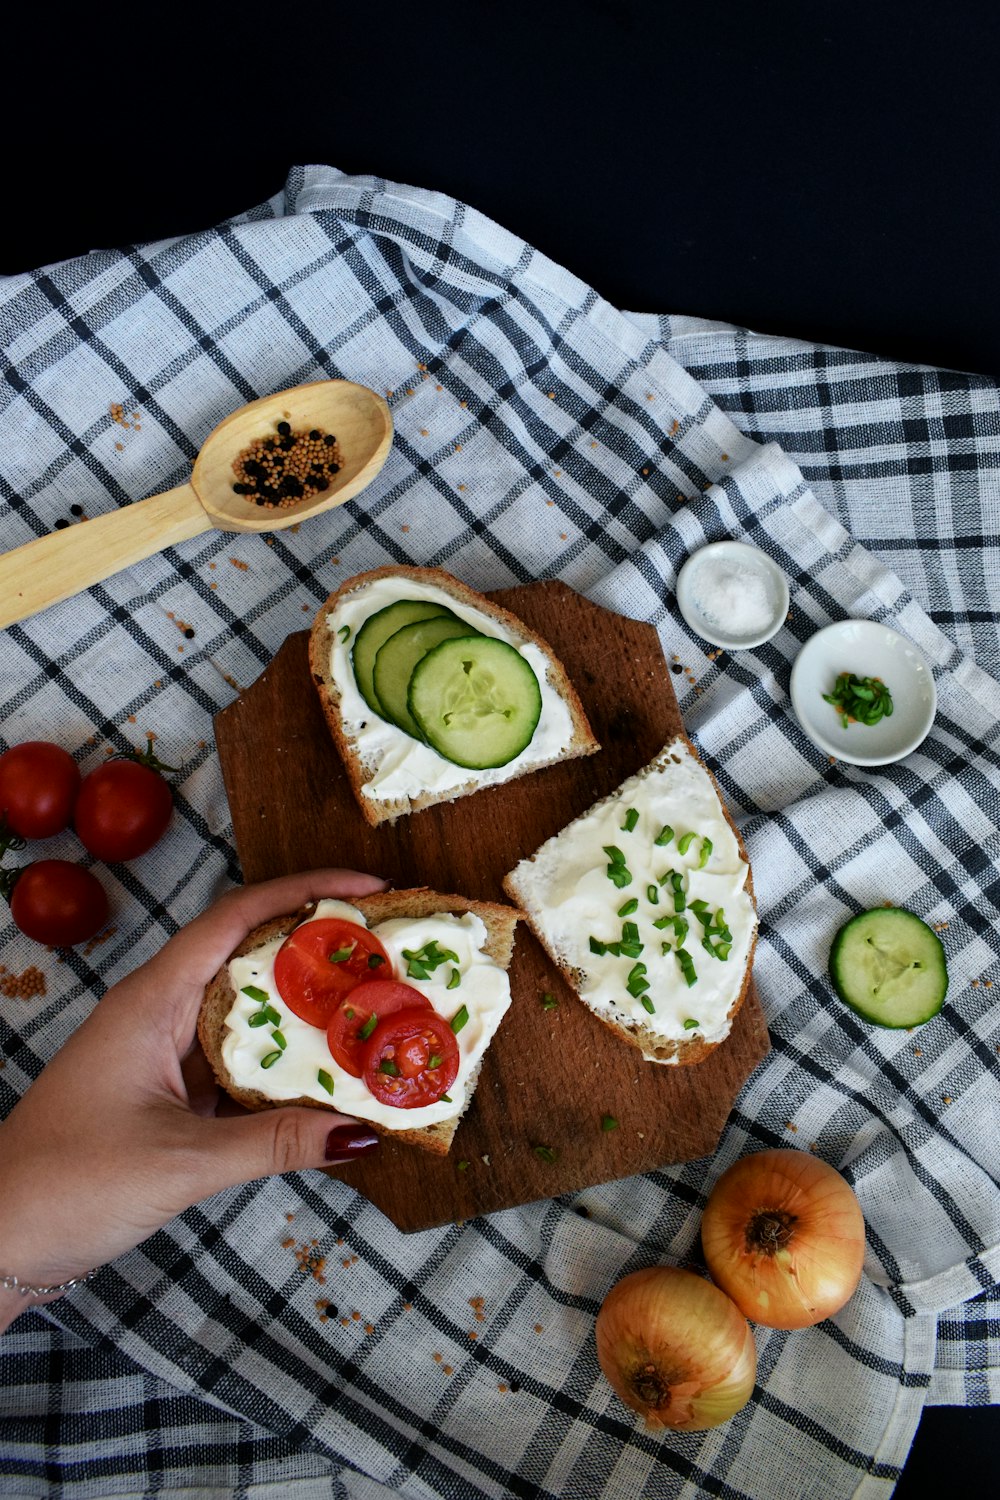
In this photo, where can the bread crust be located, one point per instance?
(500, 922)
(320, 648)
(682, 1052)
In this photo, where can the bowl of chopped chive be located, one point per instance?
(863, 693)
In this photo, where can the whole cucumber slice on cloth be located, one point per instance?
(476, 700)
(376, 631)
(395, 661)
(889, 967)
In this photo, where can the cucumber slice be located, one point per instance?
(476, 701)
(376, 631)
(395, 661)
(889, 967)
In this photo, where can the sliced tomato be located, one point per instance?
(411, 1059)
(358, 1014)
(322, 961)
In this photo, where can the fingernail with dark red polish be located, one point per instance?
(347, 1142)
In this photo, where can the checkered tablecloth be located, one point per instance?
(539, 433)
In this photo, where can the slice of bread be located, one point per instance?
(574, 889)
(220, 995)
(374, 751)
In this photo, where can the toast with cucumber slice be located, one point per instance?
(431, 691)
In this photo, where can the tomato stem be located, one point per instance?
(147, 757)
(8, 838)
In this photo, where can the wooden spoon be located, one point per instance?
(63, 563)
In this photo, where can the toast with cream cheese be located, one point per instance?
(645, 902)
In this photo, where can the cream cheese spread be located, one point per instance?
(618, 923)
(484, 990)
(398, 766)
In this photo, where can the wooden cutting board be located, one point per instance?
(550, 1075)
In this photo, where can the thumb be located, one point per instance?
(242, 1147)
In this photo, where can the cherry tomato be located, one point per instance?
(122, 810)
(39, 783)
(321, 961)
(411, 1059)
(59, 903)
(355, 1018)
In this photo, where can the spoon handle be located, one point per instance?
(65, 562)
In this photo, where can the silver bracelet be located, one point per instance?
(25, 1289)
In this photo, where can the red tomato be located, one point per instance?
(354, 1019)
(122, 810)
(39, 783)
(321, 961)
(58, 903)
(411, 1059)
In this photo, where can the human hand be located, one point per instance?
(119, 1132)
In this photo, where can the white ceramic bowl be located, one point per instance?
(868, 650)
(731, 555)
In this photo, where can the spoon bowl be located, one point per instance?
(59, 565)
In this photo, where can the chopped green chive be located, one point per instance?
(421, 962)
(459, 1019)
(454, 981)
(689, 1024)
(631, 819)
(637, 981)
(461, 1166)
(596, 946)
(374, 960)
(444, 1099)
(664, 836)
(339, 955)
(435, 1060)
(677, 884)
(684, 842)
(260, 996)
(662, 922)
(647, 1004)
(278, 1040)
(860, 700)
(547, 1153)
(388, 1066)
(344, 632)
(706, 853)
(618, 872)
(366, 1030)
(687, 966)
(631, 905)
(549, 1002)
(608, 1122)
(652, 895)
(270, 1014)
(269, 1060)
(349, 1013)
(324, 1080)
(258, 1019)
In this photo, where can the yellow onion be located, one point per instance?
(784, 1236)
(675, 1349)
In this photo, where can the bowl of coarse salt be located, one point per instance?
(732, 595)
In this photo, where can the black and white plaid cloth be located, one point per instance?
(539, 433)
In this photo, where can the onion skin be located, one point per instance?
(783, 1235)
(675, 1349)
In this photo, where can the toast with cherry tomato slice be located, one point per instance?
(373, 1025)
(431, 691)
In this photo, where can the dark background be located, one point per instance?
(828, 171)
